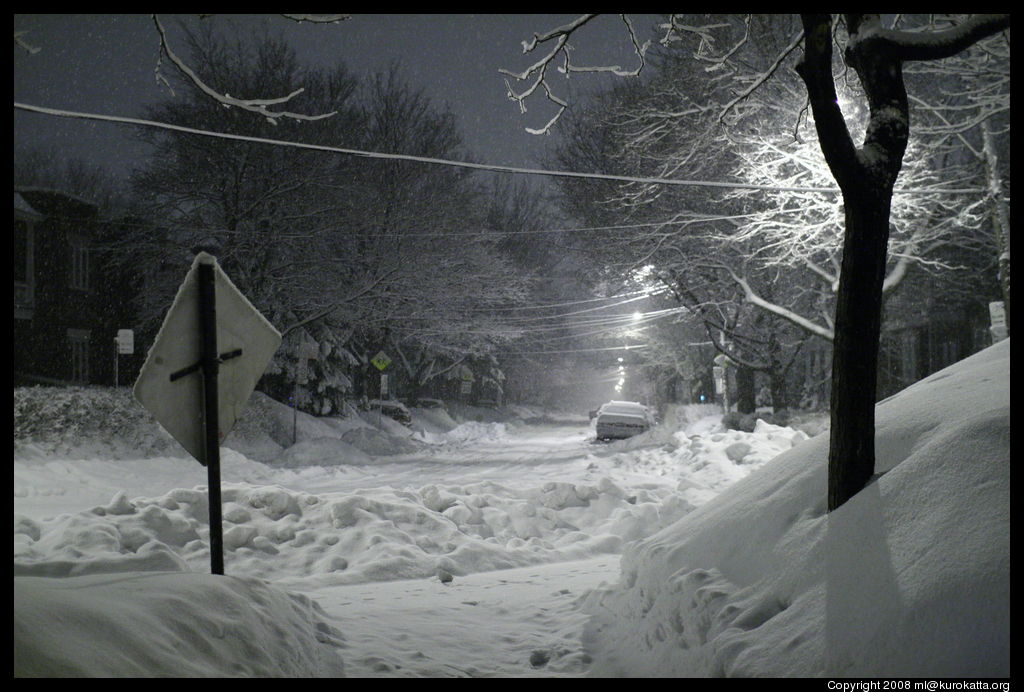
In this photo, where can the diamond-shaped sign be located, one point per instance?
(246, 342)
(381, 360)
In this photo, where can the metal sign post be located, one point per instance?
(183, 384)
(210, 360)
(381, 361)
(307, 351)
(124, 342)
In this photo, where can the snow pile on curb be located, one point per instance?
(169, 625)
(476, 431)
(909, 578)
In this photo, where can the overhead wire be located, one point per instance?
(458, 164)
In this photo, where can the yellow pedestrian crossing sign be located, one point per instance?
(381, 360)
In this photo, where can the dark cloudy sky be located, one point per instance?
(105, 64)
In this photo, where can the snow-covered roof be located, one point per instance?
(53, 191)
(48, 201)
(24, 208)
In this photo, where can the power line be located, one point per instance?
(634, 347)
(497, 234)
(533, 318)
(630, 297)
(460, 164)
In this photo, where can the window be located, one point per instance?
(21, 251)
(79, 274)
(79, 341)
(947, 353)
(24, 274)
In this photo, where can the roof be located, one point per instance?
(49, 202)
(24, 209)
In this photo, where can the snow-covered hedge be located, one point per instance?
(52, 420)
(61, 417)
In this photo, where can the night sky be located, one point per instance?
(105, 64)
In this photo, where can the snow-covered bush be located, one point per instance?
(57, 417)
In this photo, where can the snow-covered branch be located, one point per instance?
(318, 18)
(258, 106)
(755, 299)
(537, 74)
(25, 46)
(936, 45)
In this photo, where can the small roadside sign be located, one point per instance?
(125, 341)
(997, 316)
(307, 351)
(997, 313)
(381, 360)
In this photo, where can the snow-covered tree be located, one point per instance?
(343, 255)
(866, 175)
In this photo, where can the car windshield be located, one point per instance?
(627, 409)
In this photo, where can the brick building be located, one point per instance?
(65, 313)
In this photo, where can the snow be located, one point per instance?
(482, 543)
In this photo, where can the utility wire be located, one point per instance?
(461, 164)
(632, 347)
(495, 234)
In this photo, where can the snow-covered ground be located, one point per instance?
(489, 546)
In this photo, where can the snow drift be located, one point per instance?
(153, 624)
(911, 577)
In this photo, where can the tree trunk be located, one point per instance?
(855, 349)
(780, 393)
(866, 176)
(746, 396)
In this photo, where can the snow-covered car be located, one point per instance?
(622, 419)
(428, 403)
(391, 408)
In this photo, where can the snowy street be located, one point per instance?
(517, 548)
(525, 621)
(458, 550)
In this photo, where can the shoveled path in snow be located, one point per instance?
(522, 622)
(526, 456)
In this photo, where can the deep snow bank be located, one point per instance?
(911, 577)
(154, 624)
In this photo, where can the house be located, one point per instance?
(921, 334)
(64, 329)
(914, 348)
